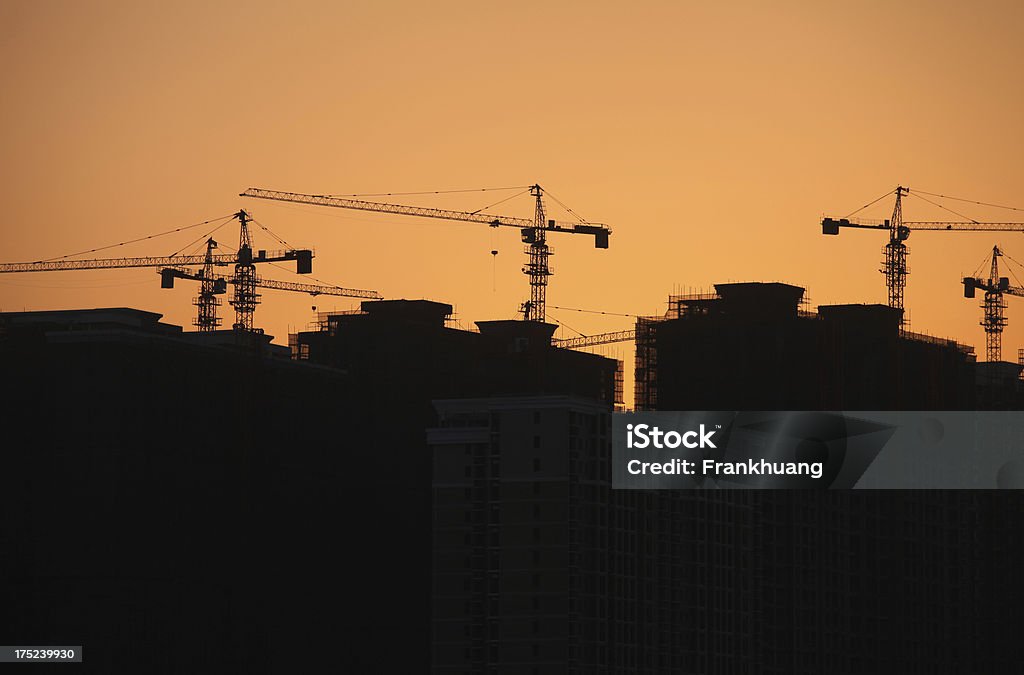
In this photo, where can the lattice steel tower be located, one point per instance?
(245, 297)
(207, 301)
(894, 265)
(537, 269)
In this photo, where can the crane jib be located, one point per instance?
(832, 225)
(599, 231)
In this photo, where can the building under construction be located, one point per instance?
(829, 573)
(758, 346)
(411, 341)
(401, 482)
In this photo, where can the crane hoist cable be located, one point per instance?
(871, 203)
(945, 208)
(594, 311)
(134, 241)
(431, 192)
(201, 241)
(971, 201)
(501, 201)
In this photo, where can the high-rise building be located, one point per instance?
(755, 346)
(540, 567)
(840, 582)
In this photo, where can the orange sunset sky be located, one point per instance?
(710, 136)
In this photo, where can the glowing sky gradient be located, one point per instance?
(710, 136)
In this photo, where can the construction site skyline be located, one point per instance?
(213, 269)
(713, 159)
(304, 352)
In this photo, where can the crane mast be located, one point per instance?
(994, 320)
(535, 309)
(993, 304)
(245, 296)
(894, 264)
(207, 301)
(533, 231)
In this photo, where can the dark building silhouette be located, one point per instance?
(540, 567)
(519, 578)
(412, 497)
(999, 385)
(404, 350)
(216, 493)
(164, 514)
(841, 582)
(751, 346)
(404, 357)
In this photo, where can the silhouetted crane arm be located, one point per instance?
(963, 226)
(313, 289)
(832, 225)
(594, 340)
(113, 263)
(170, 261)
(1014, 290)
(595, 229)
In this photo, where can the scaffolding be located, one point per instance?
(327, 322)
(680, 306)
(645, 385)
(704, 304)
(967, 350)
(299, 350)
(619, 398)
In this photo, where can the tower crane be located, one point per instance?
(534, 232)
(178, 266)
(212, 286)
(994, 320)
(894, 263)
